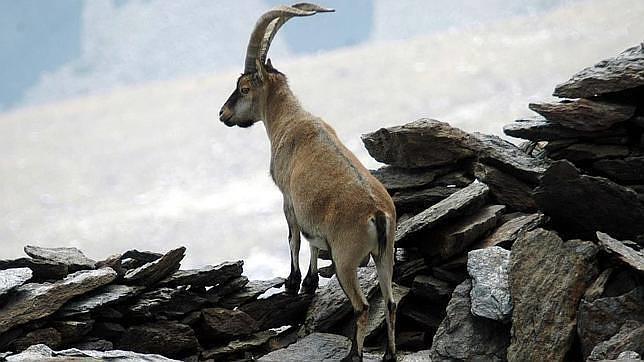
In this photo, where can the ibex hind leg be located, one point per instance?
(292, 284)
(384, 266)
(310, 283)
(347, 276)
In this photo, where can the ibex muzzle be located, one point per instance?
(329, 196)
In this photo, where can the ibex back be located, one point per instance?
(329, 196)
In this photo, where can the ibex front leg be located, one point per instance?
(292, 284)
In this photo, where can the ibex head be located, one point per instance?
(244, 106)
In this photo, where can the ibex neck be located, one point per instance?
(282, 107)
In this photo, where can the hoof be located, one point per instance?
(310, 283)
(292, 283)
(388, 357)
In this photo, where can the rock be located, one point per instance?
(417, 200)
(420, 356)
(378, 310)
(330, 305)
(509, 231)
(215, 294)
(462, 336)
(40, 352)
(622, 72)
(547, 279)
(108, 330)
(602, 318)
(42, 269)
(219, 324)
(278, 310)
(33, 301)
(72, 331)
(72, 257)
(165, 302)
(460, 203)
(422, 143)
(114, 262)
(406, 270)
(237, 347)
(206, 276)
(12, 278)
(629, 356)
(141, 256)
(584, 204)
(154, 271)
(584, 114)
(94, 345)
(107, 295)
(162, 337)
(587, 152)
(397, 178)
(506, 189)
(48, 336)
(629, 256)
(431, 289)
(250, 291)
(544, 130)
(326, 271)
(410, 340)
(454, 238)
(426, 315)
(490, 295)
(314, 347)
(629, 170)
(629, 338)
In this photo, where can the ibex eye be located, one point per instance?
(244, 90)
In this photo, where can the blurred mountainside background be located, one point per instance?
(108, 127)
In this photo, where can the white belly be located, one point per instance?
(318, 242)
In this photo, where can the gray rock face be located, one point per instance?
(330, 304)
(431, 289)
(583, 114)
(606, 206)
(12, 278)
(547, 279)
(72, 257)
(206, 276)
(396, 178)
(165, 302)
(250, 291)
(490, 293)
(250, 343)
(629, 338)
(544, 130)
(278, 310)
(48, 336)
(378, 310)
(72, 331)
(413, 201)
(42, 269)
(314, 347)
(506, 189)
(629, 256)
(104, 296)
(587, 152)
(33, 301)
(41, 352)
(422, 143)
(462, 336)
(459, 203)
(628, 170)
(154, 271)
(507, 233)
(622, 72)
(162, 337)
(601, 318)
(220, 323)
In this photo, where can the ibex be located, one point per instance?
(329, 196)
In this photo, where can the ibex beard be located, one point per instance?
(329, 196)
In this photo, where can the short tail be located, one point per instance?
(381, 230)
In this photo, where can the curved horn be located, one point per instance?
(267, 26)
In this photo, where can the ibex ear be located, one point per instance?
(269, 65)
(261, 71)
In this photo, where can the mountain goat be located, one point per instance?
(329, 196)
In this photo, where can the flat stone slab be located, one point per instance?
(541, 129)
(547, 280)
(165, 302)
(250, 343)
(41, 352)
(462, 336)
(506, 189)
(278, 309)
(629, 256)
(397, 178)
(615, 74)
(507, 233)
(12, 278)
(250, 291)
(431, 289)
(587, 152)
(490, 293)
(206, 276)
(154, 271)
(629, 170)
(314, 347)
(42, 269)
(221, 323)
(104, 296)
(459, 203)
(162, 337)
(72, 257)
(585, 204)
(629, 338)
(378, 310)
(584, 114)
(33, 301)
(418, 200)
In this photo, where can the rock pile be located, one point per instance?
(503, 253)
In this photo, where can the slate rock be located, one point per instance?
(419, 356)
(162, 337)
(330, 305)
(104, 296)
(629, 338)
(601, 318)
(459, 203)
(94, 344)
(224, 324)
(490, 295)
(423, 314)
(629, 256)
(584, 204)
(314, 347)
(414, 201)
(509, 231)
(237, 347)
(12, 278)
(584, 114)
(41, 352)
(154, 271)
(72, 331)
(431, 289)
(215, 294)
(398, 178)
(406, 270)
(622, 72)
(462, 336)
(33, 301)
(547, 280)
(165, 302)
(42, 269)
(141, 256)
(541, 129)
(206, 276)
(278, 309)
(72, 257)
(377, 312)
(629, 170)
(249, 292)
(506, 189)
(422, 143)
(587, 152)
(48, 336)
